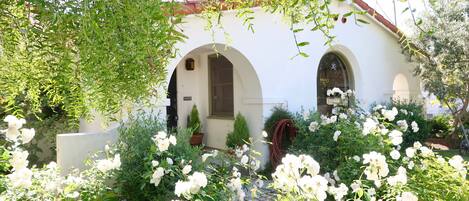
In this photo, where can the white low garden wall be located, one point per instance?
(74, 148)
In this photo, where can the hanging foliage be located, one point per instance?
(100, 55)
(83, 55)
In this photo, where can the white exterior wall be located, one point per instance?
(371, 51)
(265, 75)
(74, 148)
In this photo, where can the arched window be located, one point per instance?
(332, 73)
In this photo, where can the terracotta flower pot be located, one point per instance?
(197, 139)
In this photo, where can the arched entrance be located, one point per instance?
(332, 72)
(222, 83)
(171, 108)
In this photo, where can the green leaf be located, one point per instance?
(362, 21)
(302, 44)
(303, 54)
(348, 14)
(405, 10)
(297, 30)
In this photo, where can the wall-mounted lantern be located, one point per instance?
(190, 64)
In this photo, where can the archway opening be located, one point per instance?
(400, 88)
(222, 83)
(332, 72)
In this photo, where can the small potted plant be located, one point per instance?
(195, 126)
(240, 134)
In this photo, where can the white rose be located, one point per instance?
(19, 159)
(27, 135)
(336, 135)
(14, 124)
(417, 145)
(410, 152)
(186, 169)
(313, 126)
(407, 196)
(172, 140)
(156, 177)
(356, 158)
(170, 161)
(395, 154)
(396, 137)
(21, 178)
(244, 159)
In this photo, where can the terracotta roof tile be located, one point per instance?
(195, 7)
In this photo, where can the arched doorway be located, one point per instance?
(332, 72)
(222, 83)
(171, 109)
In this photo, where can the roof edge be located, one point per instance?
(196, 7)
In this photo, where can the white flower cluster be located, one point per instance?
(236, 185)
(21, 177)
(399, 178)
(328, 120)
(389, 114)
(157, 175)
(300, 174)
(369, 126)
(313, 126)
(424, 151)
(336, 135)
(407, 196)
(338, 192)
(415, 126)
(396, 137)
(188, 188)
(162, 141)
(105, 165)
(45, 183)
(14, 127)
(377, 168)
(336, 91)
(457, 162)
(403, 125)
(243, 153)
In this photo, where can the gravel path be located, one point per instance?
(263, 194)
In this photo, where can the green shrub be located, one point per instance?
(441, 126)
(433, 179)
(240, 134)
(331, 154)
(194, 120)
(411, 111)
(134, 146)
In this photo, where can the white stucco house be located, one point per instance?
(255, 72)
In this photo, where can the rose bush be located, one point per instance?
(362, 153)
(25, 181)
